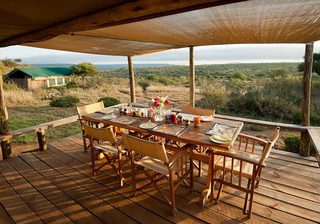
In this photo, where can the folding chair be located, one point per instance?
(109, 146)
(155, 158)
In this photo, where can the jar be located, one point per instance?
(196, 121)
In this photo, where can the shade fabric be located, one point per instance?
(257, 21)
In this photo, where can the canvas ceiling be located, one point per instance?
(269, 21)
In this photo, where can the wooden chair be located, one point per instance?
(197, 111)
(155, 158)
(108, 145)
(200, 112)
(244, 163)
(88, 109)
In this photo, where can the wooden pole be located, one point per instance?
(132, 82)
(42, 140)
(5, 145)
(306, 99)
(192, 77)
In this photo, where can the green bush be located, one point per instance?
(109, 101)
(213, 97)
(65, 101)
(144, 84)
(292, 143)
(72, 85)
(239, 75)
(10, 86)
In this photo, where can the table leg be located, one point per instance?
(207, 191)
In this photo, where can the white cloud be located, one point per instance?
(203, 55)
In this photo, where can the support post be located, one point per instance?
(306, 100)
(42, 140)
(5, 144)
(132, 82)
(192, 77)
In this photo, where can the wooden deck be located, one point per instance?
(56, 186)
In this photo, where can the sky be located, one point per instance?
(218, 54)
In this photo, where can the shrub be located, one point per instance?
(144, 84)
(239, 75)
(213, 97)
(65, 101)
(109, 101)
(11, 86)
(292, 143)
(72, 85)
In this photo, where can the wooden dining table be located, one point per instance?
(191, 135)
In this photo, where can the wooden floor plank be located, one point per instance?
(15, 206)
(94, 204)
(62, 201)
(4, 216)
(47, 212)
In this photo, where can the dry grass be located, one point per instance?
(20, 97)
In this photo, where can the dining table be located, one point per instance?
(187, 134)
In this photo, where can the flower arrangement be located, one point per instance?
(160, 102)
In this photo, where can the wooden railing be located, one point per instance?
(312, 133)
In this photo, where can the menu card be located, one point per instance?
(223, 130)
(171, 129)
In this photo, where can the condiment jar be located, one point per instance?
(196, 121)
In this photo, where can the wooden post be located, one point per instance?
(5, 145)
(306, 100)
(192, 77)
(41, 140)
(132, 82)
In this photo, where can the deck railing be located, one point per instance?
(308, 133)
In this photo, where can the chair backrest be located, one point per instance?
(88, 109)
(267, 148)
(197, 111)
(152, 149)
(103, 134)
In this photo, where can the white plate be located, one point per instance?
(190, 117)
(148, 125)
(212, 138)
(109, 116)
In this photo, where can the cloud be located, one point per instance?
(203, 55)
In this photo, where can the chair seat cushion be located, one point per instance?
(153, 164)
(107, 148)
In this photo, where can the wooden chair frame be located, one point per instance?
(116, 161)
(258, 162)
(154, 179)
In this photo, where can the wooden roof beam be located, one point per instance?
(125, 13)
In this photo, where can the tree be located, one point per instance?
(315, 64)
(84, 69)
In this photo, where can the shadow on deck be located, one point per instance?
(56, 186)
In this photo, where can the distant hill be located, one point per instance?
(106, 67)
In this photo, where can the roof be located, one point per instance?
(133, 28)
(35, 72)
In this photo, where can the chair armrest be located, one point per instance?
(253, 138)
(243, 156)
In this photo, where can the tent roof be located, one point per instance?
(270, 21)
(35, 72)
